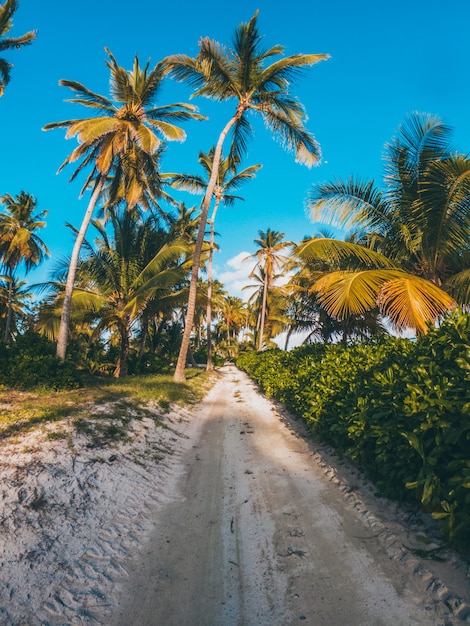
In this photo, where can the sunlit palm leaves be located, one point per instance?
(419, 223)
(121, 143)
(243, 74)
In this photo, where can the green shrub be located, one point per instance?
(31, 363)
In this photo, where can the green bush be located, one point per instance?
(31, 363)
(400, 408)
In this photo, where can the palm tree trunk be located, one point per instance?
(121, 367)
(9, 307)
(210, 365)
(263, 313)
(288, 335)
(179, 371)
(62, 338)
(144, 325)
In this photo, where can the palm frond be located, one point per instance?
(412, 302)
(345, 293)
(347, 204)
(335, 250)
(458, 286)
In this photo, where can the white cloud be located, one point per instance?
(234, 274)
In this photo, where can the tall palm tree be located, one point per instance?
(242, 74)
(123, 140)
(227, 181)
(19, 241)
(419, 223)
(269, 261)
(7, 11)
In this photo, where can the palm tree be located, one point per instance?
(227, 181)
(241, 74)
(232, 312)
(15, 298)
(123, 140)
(122, 273)
(19, 242)
(269, 261)
(7, 11)
(416, 230)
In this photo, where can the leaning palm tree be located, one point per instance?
(227, 181)
(419, 223)
(121, 141)
(242, 74)
(19, 241)
(269, 260)
(7, 11)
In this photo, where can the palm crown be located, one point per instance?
(7, 11)
(129, 129)
(241, 73)
(415, 231)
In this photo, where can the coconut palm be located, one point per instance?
(269, 261)
(419, 223)
(242, 74)
(7, 10)
(121, 273)
(227, 181)
(19, 241)
(15, 301)
(121, 140)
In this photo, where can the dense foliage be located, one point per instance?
(30, 363)
(400, 408)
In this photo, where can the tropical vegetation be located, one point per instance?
(138, 295)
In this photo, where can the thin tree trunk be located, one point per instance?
(263, 313)
(121, 367)
(62, 339)
(9, 307)
(210, 365)
(179, 371)
(144, 324)
(288, 335)
(191, 358)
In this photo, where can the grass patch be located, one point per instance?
(127, 399)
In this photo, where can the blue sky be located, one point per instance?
(388, 59)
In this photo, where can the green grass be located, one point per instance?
(124, 398)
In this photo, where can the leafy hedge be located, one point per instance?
(30, 363)
(400, 408)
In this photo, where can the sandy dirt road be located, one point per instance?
(256, 534)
